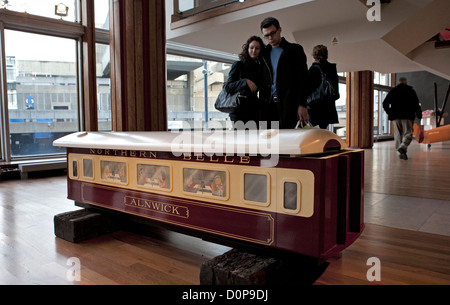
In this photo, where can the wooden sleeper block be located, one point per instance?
(236, 267)
(83, 224)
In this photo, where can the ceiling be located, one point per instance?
(403, 40)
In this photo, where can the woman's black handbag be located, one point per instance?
(323, 95)
(227, 102)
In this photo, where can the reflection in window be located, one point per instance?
(205, 182)
(75, 169)
(103, 87)
(101, 14)
(255, 187)
(45, 8)
(88, 168)
(186, 92)
(113, 171)
(290, 196)
(42, 91)
(156, 176)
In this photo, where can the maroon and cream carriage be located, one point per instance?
(295, 190)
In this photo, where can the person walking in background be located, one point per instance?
(246, 76)
(402, 107)
(325, 114)
(286, 70)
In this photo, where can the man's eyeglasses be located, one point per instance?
(271, 34)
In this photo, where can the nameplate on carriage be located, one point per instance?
(160, 207)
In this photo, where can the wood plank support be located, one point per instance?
(238, 268)
(76, 226)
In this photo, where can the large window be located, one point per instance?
(42, 91)
(43, 65)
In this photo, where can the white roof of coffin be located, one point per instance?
(253, 142)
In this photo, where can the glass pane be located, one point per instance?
(103, 87)
(155, 176)
(255, 187)
(290, 195)
(376, 112)
(42, 92)
(185, 5)
(114, 171)
(102, 14)
(46, 8)
(341, 108)
(88, 168)
(187, 95)
(75, 169)
(385, 124)
(205, 182)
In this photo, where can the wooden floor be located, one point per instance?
(31, 254)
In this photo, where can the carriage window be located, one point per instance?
(290, 195)
(156, 176)
(255, 187)
(114, 171)
(205, 182)
(75, 169)
(88, 168)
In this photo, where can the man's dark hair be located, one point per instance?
(270, 21)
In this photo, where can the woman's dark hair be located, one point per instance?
(244, 54)
(270, 21)
(320, 53)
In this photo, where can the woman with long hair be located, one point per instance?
(246, 76)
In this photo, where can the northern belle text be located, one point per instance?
(201, 157)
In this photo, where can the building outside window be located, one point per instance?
(43, 75)
(42, 91)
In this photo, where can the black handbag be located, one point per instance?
(228, 102)
(323, 94)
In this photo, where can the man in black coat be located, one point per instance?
(286, 74)
(402, 106)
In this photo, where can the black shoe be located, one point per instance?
(402, 152)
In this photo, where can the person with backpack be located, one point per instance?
(322, 105)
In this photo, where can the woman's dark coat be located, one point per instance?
(327, 113)
(237, 81)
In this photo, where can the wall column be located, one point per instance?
(360, 109)
(138, 65)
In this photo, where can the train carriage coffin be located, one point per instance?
(293, 190)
